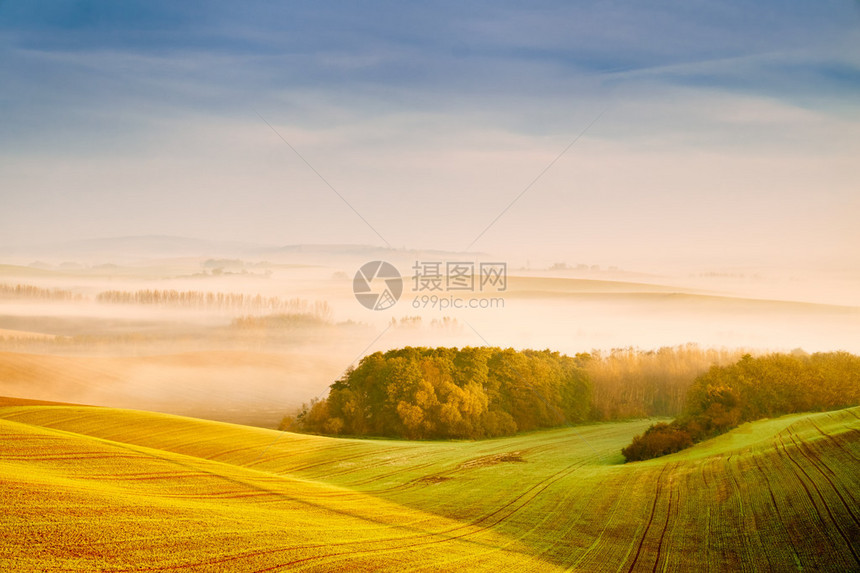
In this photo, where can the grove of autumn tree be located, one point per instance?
(473, 392)
(751, 389)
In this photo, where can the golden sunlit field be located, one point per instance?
(429, 286)
(154, 473)
(105, 489)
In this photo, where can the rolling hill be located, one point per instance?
(98, 488)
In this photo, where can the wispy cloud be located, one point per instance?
(431, 117)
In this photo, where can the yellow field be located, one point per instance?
(94, 488)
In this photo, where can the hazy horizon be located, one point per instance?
(708, 136)
(648, 176)
(390, 285)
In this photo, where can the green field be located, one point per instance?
(88, 489)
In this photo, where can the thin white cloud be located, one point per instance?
(714, 140)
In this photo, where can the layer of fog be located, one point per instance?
(196, 362)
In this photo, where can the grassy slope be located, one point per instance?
(169, 491)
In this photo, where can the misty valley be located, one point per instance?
(429, 286)
(255, 390)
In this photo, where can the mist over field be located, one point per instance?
(252, 335)
(386, 286)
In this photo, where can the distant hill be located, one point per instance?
(122, 249)
(127, 247)
(11, 401)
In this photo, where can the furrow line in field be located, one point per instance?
(406, 547)
(836, 441)
(19, 437)
(403, 485)
(224, 495)
(663, 532)
(316, 464)
(66, 456)
(818, 465)
(823, 501)
(408, 468)
(650, 518)
(220, 454)
(780, 517)
(363, 468)
(255, 486)
(149, 476)
(535, 490)
(739, 491)
(535, 525)
(621, 496)
(524, 533)
(386, 540)
(780, 450)
(706, 544)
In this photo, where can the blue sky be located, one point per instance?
(727, 131)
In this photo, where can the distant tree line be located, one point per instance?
(416, 323)
(186, 299)
(634, 383)
(422, 393)
(34, 292)
(751, 389)
(215, 301)
(279, 321)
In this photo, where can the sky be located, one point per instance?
(624, 133)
